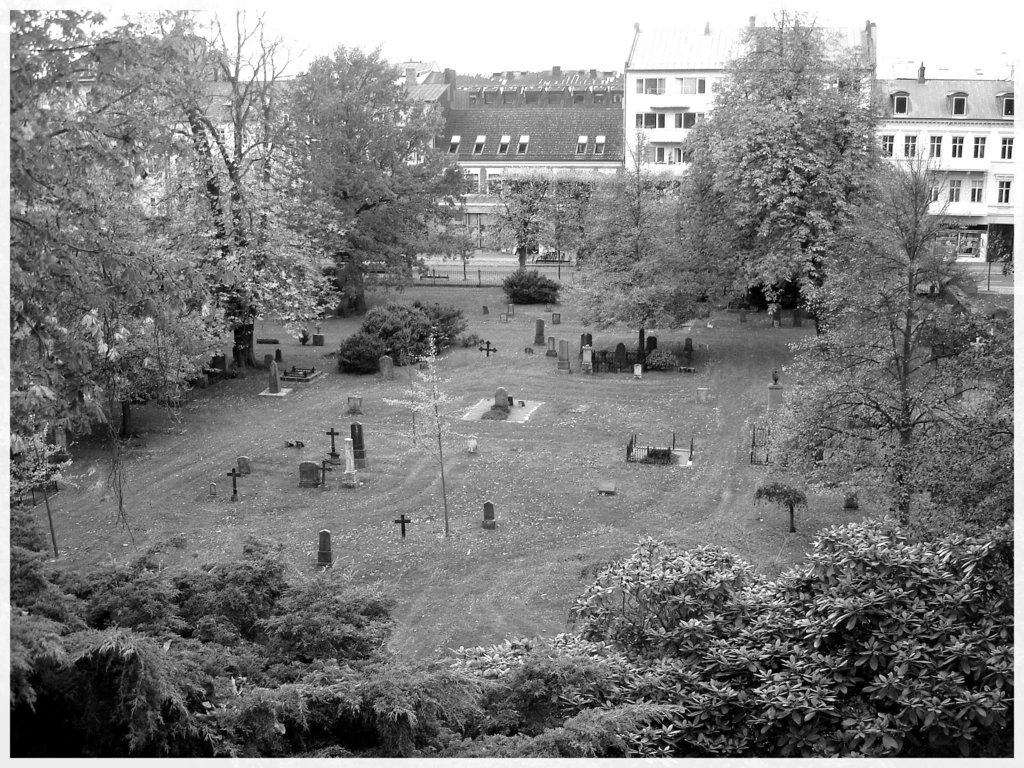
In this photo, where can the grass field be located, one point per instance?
(553, 529)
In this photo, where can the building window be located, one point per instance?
(472, 99)
(555, 98)
(599, 97)
(503, 145)
(887, 144)
(1006, 150)
(478, 147)
(1004, 192)
(650, 120)
(599, 145)
(616, 98)
(900, 104)
(532, 97)
(659, 154)
(677, 155)
(977, 191)
(577, 98)
(909, 146)
(958, 147)
(524, 144)
(494, 185)
(581, 145)
(691, 84)
(954, 190)
(935, 146)
(959, 105)
(979, 146)
(508, 97)
(1008, 106)
(689, 119)
(489, 98)
(472, 183)
(651, 85)
(934, 190)
(453, 147)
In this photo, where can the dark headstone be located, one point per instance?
(318, 339)
(244, 465)
(501, 397)
(220, 362)
(277, 356)
(309, 474)
(485, 309)
(323, 555)
(563, 355)
(489, 516)
(619, 358)
(358, 447)
(538, 336)
(641, 346)
(588, 340)
(652, 343)
(275, 384)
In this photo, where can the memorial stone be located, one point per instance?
(563, 355)
(587, 364)
(652, 344)
(358, 446)
(244, 465)
(538, 336)
(309, 474)
(619, 359)
(387, 367)
(323, 555)
(551, 348)
(275, 384)
(489, 516)
(501, 397)
(277, 356)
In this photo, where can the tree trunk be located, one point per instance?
(792, 524)
(126, 419)
(521, 255)
(243, 350)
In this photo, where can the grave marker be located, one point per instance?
(652, 344)
(488, 516)
(538, 336)
(638, 371)
(325, 467)
(587, 364)
(607, 488)
(563, 355)
(403, 521)
(620, 356)
(387, 367)
(774, 392)
(551, 348)
(355, 405)
(350, 456)
(489, 349)
(358, 446)
(309, 474)
(501, 397)
(275, 384)
(323, 555)
(268, 359)
(234, 475)
(485, 309)
(213, 490)
(277, 356)
(318, 338)
(511, 310)
(743, 315)
(556, 318)
(244, 466)
(471, 444)
(333, 456)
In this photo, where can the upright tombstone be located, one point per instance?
(688, 350)
(551, 348)
(309, 474)
(471, 444)
(358, 447)
(556, 318)
(318, 338)
(641, 347)
(587, 363)
(501, 397)
(277, 356)
(268, 359)
(244, 465)
(350, 456)
(588, 340)
(489, 516)
(275, 383)
(485, 309)
(323, 554)
(538, 336)
(563, 355)
(774, 317)
(511, 310)
(774, 392)
(652, 344)
(619, 359)
(743, 315)
(213, 490)
(387, 367)
(798, 318)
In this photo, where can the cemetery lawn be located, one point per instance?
(554, 531)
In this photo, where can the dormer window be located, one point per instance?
(900, 104)
(524, 144)
(958, 103)
(1005, 104)
(599, 145)
(581, 145)
(478, 147)
(453, 147)
(503, 145)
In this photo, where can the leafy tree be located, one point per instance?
(632, 268)
(885, 382)
(784, 495)
(371, 187)
(785, 153)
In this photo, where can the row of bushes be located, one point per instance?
(877, 646)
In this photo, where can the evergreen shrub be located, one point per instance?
(530, 287)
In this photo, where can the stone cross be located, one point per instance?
(358, 447)
(538, 336)
(333, 456)
(275, 384)
(489, 349)
(323, 555)
(489, 516)
(234, 474)
(350, 456)
(403, 521)
(324, 469)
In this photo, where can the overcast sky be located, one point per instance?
(953, 39)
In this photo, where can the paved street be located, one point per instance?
(990, 280)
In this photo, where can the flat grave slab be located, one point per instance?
(301, 377)
(606, 488)
(267, 393)
(517, 415)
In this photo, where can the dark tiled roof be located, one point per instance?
(578, 78)
(426, 92)
(930, 100)
(553, 133)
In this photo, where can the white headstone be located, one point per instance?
(350, 455)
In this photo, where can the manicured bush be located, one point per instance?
(660, 360)
(446, 321)
(404, 330)
(360, 353)
(530, 287)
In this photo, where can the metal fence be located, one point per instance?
(759, 437)
(650, 454)
(479, 277)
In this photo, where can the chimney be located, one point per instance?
(707, 28)
(920, 73)
(752, 21)
(449, 77)
(556, 72)
(593, 74)
(410, 75)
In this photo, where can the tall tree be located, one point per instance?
(373, 189)
(785, 153)
(632, 268)
(884, 384)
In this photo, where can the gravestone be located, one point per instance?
(527, 350)
(501, 397)
(743, 315)
(323, 554)
(607, 488)
(774, 317)
(275, 384)
(556, 318)
(702, 394)
(638, 371)
(551, 348)
(355, 405)
(538, 336)
(350, 456)
(325, 467)
(358, 446)
(387, 367)
(403, 521)
(652, 344)
(688, 349)
(277, 356)
(485, 309)
(309, 474)
(471, 444)
(489, 516)
(318, 338)
(213, 490)
(587, 364)
(219, 362)
(619, 358)
(774, 392)
(333, 456)
(268, 359)
(588, 340)
(244, 466)
(641, 346)
(798, 318)
(563, 355)
(511, 310)
(234, 474)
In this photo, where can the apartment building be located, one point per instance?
(964, 130)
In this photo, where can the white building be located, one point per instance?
(964, 130)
